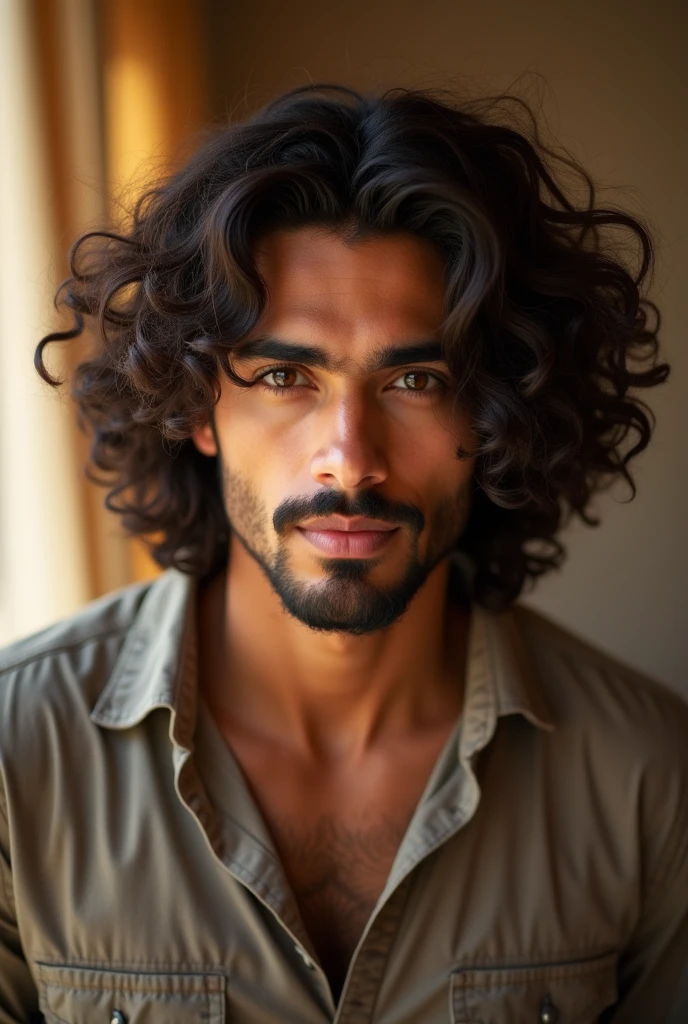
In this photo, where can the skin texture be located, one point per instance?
(336, 681)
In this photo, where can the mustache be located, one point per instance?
(328, 502)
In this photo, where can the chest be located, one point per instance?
(337, 865)
(337, 840)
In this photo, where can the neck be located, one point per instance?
(328, 696)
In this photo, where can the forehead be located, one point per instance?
(376, 291)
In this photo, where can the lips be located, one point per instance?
(352, 543)
(348, 524)
(353, 536)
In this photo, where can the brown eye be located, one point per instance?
(416, 381)
(283, 378)
(420, 383)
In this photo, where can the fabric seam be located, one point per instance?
(61, 648)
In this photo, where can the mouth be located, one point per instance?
(355, 543)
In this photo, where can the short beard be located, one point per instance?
(346, 602)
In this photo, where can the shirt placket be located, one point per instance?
(367, 968)
(437, 818)
(264, 880)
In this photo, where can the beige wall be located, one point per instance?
(614, 90)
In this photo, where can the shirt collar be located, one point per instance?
(157, 668)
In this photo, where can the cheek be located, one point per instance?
(427, 454)
(261, 464)
(258, 429)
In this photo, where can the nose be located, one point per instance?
(350, 443)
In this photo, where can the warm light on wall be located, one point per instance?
(135, 120)
(153, 98)
(43, 563)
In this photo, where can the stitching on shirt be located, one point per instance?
(533, 972)
(247, 832)
(536, 959)
(251, 878)
(98, 985)
(7, 891)
(61, 648)
(135, 966)
(54, 1016)
(242, 871)
(402, 894)
(670, 853)
(3, 805)
(5, 871)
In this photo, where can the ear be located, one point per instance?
(204, 439)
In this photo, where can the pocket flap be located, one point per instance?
(82, 995)
(574, 992)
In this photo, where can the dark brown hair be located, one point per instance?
(543, 315)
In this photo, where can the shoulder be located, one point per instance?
(68, 661)
(621, 731)
(584, 682)
(617, 727)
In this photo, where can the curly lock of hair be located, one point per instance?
(544, 319)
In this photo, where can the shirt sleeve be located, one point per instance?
(18, 995)
(653, 967)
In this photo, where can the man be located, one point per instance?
(357, 359)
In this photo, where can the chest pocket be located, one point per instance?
(564, 993)
(86, 995)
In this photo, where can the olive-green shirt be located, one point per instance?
(543, 876)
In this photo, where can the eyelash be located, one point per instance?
(285, 392)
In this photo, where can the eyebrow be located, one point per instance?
(270, 347)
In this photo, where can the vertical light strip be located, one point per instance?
(86, 199)
(155, 96)
(43, 573)
(134, 100)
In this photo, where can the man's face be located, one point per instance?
(344, 424)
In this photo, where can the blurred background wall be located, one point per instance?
(99, 94)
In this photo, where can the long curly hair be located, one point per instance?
(544, 318)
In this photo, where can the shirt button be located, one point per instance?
(118, 1017)
(305, 957)
(549, 1014)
